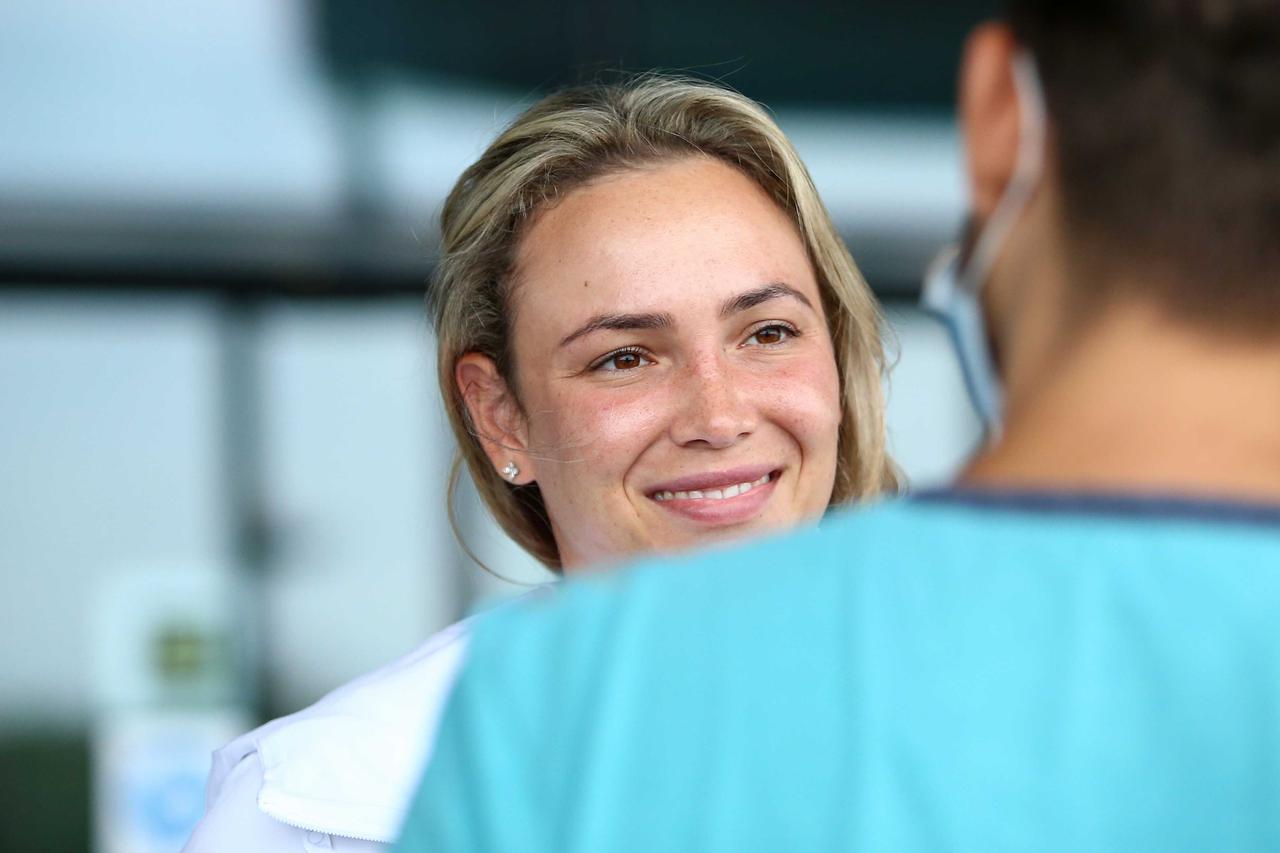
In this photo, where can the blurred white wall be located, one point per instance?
(109, 459)
(355, 461)
(198, 104)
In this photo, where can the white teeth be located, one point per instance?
(713, 494)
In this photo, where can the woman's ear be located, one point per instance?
(989, 114)
(496, 416)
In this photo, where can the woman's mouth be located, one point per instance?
(714, 494)
(718, 499)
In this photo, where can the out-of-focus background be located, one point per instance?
(222, 452)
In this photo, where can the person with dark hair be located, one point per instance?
(1072, 648)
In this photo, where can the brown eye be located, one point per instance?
(622, 360)
(770, 335)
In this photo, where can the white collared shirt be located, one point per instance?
(337, 775)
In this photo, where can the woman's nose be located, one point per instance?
(713, 409)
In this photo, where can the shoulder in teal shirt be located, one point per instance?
(927, 675)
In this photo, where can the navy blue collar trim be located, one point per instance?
(1153, 506)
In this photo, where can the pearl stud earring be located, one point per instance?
(511, 471)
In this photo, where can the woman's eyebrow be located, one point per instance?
(619, 322)
(760, 295)
(741, 302)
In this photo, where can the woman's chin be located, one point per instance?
(686, 536)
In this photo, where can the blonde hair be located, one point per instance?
(574, 136)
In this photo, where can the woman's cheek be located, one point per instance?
(611, 426)
(804, 394)
(624, 427)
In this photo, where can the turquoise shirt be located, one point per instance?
(926, 675)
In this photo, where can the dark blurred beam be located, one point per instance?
(217, 251)
(291, 256)
(885, 54)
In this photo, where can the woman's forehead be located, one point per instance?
(687, 229)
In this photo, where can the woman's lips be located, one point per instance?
(713, 493)
(729, 502)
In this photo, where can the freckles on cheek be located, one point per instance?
(605, 428)
(623, 424)
(807, 395)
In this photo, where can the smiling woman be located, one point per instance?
(674, 380)
(666, 230)
(650, 338)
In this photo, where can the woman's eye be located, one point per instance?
(623, 360)
(771, 335)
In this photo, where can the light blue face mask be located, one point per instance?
(953, 286)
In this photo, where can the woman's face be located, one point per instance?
(674, 370)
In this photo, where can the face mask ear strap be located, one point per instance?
(953, 286)
(960, 312)
(1027, 171)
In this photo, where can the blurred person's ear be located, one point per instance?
(989, 114)
(495, 413)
